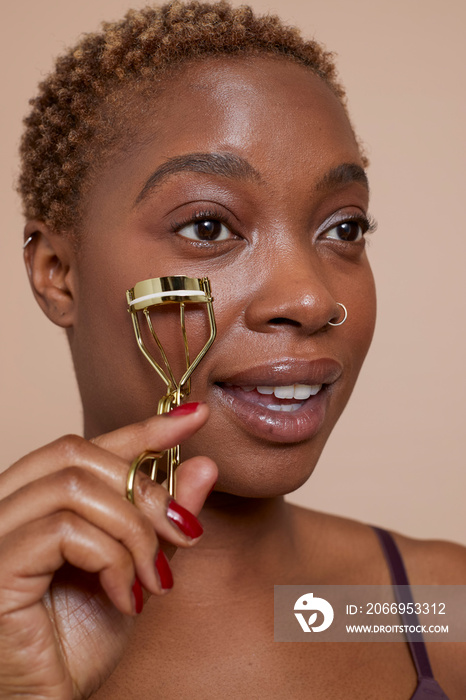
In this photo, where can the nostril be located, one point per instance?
(279, 321)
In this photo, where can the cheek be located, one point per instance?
(117, 383)
(106, 363)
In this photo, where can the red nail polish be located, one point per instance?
(185, 409)
(186, 521)
(138, 596)
(163, 570)
(211, 489)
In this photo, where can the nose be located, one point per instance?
(292, 293)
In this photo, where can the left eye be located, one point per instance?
(350, 231)
(206, 230)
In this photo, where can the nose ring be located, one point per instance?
(340, 323)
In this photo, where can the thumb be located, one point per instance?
(195, 480)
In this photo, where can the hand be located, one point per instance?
(73, 549)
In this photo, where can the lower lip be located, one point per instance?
(277, 426)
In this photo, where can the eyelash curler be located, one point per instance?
(141, 298)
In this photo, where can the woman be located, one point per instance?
(196, 140)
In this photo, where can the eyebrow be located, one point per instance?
(343, 174)
(224, 164)
(236, 167)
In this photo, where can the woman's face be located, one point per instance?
(245, 171)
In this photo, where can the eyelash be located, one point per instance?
(203, 215)
(367, 223)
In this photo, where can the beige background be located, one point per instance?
(397, 456)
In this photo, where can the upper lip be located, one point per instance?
(286, 372)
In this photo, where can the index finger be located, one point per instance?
(108, 455)
(156, 434)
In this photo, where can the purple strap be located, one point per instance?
(400, 578)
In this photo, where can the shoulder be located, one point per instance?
(353, 555)
(433, 562)
(352, 549)
(340, 550)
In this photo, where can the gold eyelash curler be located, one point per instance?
(142, 297)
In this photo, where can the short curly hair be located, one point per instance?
(73, 118)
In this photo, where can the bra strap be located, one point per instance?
(404, 595)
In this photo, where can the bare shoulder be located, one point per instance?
(341, 550)
(353, 555)
(352, 544)
(433, 562)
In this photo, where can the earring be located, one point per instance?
(340, 323)
(27, 242)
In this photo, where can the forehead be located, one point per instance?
(273, 112)
(239, 99)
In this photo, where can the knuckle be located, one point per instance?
(151, 494)
(70, 445)
(63, 522)
(146, 489)
(73, 480)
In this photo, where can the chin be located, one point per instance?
(273, 471)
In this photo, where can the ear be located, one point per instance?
(49, 258)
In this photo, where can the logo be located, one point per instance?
(308, 603)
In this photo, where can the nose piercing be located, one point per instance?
(340, 323)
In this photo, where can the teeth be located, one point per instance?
(301, 392)
(289, 408)
(265, 389)
(284, 392)
(285, 408)
(294, 391)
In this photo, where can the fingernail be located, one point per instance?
(184, 409)
(211, 489)
(163, 570)
(186, 521)
(137, 596)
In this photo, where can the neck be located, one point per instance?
(246, 543)
(243, 524)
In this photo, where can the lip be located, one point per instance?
(287, 371)
(276, 426)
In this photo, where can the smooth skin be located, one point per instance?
(277, 272)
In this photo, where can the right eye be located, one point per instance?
(206, 230)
